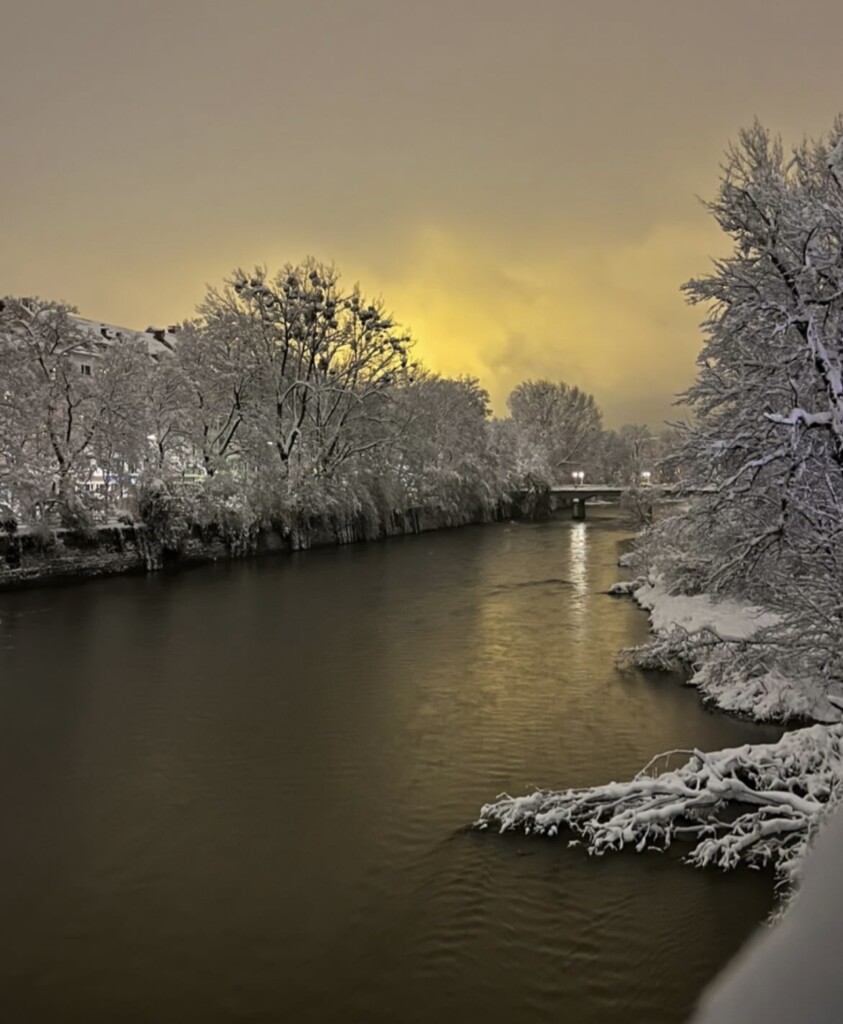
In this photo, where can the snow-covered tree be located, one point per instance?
(762, 470)
(215, 373)
(119, 438)
(765, 452)
(443, 448)
(558, 429)
(55, 404)
(326, 360)
(26, 461)
(627, 454)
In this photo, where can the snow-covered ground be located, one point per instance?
(766, 695)
(729, 619)
(791, 972)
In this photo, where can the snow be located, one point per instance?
(730, 619)
(809, 419)
(157, 341)
(792, 971)
(835, 157)
(779, 791)
(769, 695)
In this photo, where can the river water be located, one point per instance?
(239, 793)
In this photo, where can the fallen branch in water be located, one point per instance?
(771, 794)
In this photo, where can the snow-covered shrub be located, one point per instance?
(222, 505)
(8, 520)
(166, 512)
(43, 536)
(637, 506)
(74, 515)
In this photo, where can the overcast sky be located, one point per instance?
(517, 180)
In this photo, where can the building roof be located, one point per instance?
(159, 340)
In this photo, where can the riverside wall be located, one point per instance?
(31, 558)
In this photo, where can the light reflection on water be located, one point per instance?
(578, 572)
(239, 793)
(579, 557)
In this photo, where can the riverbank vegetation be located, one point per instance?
(762, 529)
(288, 400)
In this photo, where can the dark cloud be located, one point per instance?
(518, 180)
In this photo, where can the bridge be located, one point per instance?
(578, 495)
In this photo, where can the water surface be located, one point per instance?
(239, 793)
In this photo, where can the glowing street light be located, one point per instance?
(645, 477)
(578, 477)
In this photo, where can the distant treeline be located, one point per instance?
(286, 397)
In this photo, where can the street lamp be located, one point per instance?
(645, 477)
(578, 477)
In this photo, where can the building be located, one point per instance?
(159, 341)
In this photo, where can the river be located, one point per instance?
(240, 792)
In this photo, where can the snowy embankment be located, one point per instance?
(709, 636)
(757, 803)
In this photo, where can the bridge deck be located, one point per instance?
(588, 490)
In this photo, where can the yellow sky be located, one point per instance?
(517, 180)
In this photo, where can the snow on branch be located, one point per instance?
(755, 804)
(796, 416)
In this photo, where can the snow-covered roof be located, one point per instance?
(158, 340)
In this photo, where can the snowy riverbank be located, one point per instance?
(707, 633)
(757, 804)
